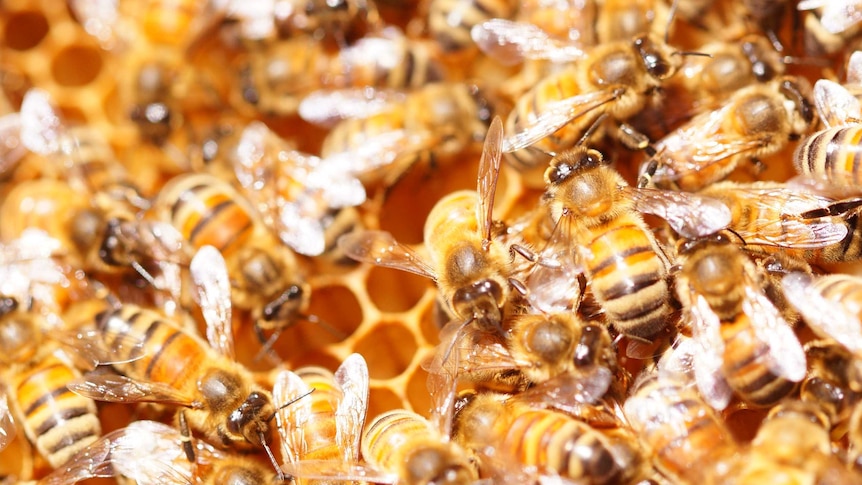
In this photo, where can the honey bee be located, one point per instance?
(56, 420)
(623, 262)
(277, 76)
(296, 194)
(756, 121)
(828, 155)
(407, 446)
(572, 20)
(682, 433)
(772, 217)
(265, 275)
(532, 441)
(833, 383)
(829, 26)
(744, 344)
(161, 363)
(612, 80)
(450, 21)
(619, 20)
(467, 266)
(382, 137)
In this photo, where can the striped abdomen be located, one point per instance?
(58, 421)
(206, 211)
(152, 348)
(746, 366)
(320, 429)
(628, 276)
(554, 442)
(834, 154)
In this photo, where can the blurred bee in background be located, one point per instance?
(381, 137)
(833, 383)
(265, 276)
(756, 121)
(450, 21)
(275, 77)
(515, 438)
(743, 342)
(830, 26)
(11, 149)
(154, 356)
(767, 15)
(623, 262)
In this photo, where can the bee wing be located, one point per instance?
(443, 375)
(11, 148)
(42, 130)
(8, 430)
(327, 107)
(256, 19)
(117, 388)
(382, 150)
(512, 42)
(381, 249)
(555, 116)
(690, 215)
(708, 358)
(100, 19)
(489, 171)
(835, 104)
(836, 16)
(88, 350)
(827, 318)
(291, 416)
(212, 294)
(569, 391)
(854, 69)
(329, 470)
(786, 358)
(28, 261)
(352, 378)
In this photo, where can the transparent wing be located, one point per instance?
(327, 107)
(291, 418)
(835, 104)
(352, 377)
(100, 19)
(329, 470)
(381, 249)
(11, 148)
(854, 69)
(840, 15)
(555, 116)
(212, 294)
(690, 215)
(8, 430)
(382, 150)
(42, 131)
(826, 317)
(443, 376)
(569, 391)
(512, 42)
(88, 349)
(708, 358)
(116, 388)
(489, 171)
(786, 358)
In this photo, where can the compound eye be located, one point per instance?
(558, 173)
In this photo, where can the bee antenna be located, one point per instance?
(281, 475)
(283, 406)
(591, 130)
(671, 13)
(314, 319)
(692, 53)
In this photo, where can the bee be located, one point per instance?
(540, 441)
(470, 270)
(829, 26)
(744, 343)
(382, 137)
(158, 362)
(772, 217)
(571, 20)
(265, 275)
(756, 121)
(450, 21)
(625, 266)
(613, 80)
(683, 434)
(407, 446)
(828, 155)
(274, 78)
(833, 383)
(619, 20)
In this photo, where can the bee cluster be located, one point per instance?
(627, 233)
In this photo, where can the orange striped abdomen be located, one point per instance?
(320, 430)
(834, 153)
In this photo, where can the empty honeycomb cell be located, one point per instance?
(395, 291)
(417, 392)
(25, 30)
(76, 65)
(388, 348)
(382, 399)
(318, 358)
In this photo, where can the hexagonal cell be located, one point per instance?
(382, 399)
(395, 291)
(338, 313)
(316, 358)
(76, 65)
(417, 392)
(25, 30)
(389, 349)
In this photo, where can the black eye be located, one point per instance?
(654, 63)
(559, 172)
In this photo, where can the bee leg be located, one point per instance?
(631, 138)
(188, 446)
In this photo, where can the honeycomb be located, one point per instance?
(390, 317)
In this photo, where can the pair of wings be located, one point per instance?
(211, 292)
(380, 248)
(836, 16)
(785, 357)
(297, 190)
